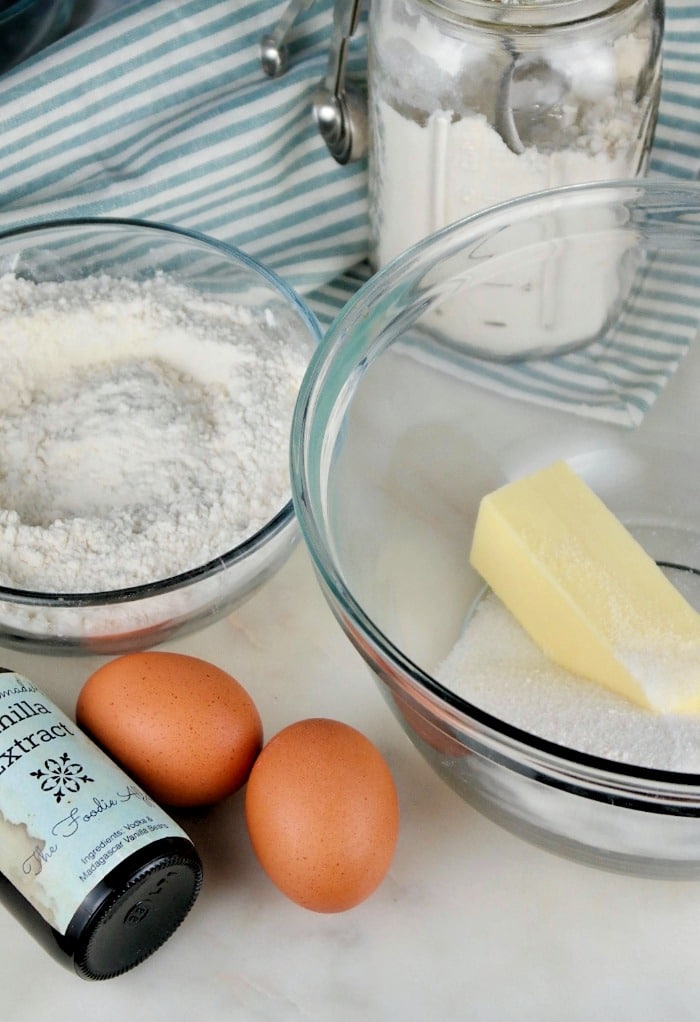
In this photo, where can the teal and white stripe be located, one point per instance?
(160, 111)
(676, 150)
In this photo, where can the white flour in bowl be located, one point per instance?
(143, 430)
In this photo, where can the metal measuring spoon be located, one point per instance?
(340, 107)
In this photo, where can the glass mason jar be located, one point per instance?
(473, 102)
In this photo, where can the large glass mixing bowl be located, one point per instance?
(405, 420)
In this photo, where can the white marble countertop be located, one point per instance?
(471, 923)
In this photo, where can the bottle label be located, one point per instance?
(68, 814)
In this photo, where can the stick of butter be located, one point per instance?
(586, 592)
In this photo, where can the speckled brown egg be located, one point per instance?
(323, 814)
(184, 729)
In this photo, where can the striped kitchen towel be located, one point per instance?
(160, 110)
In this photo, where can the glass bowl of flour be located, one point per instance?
(147, 381)
(564, 762)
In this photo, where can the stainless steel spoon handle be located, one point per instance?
(340, 108)
(346, 15)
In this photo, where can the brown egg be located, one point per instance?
(322, 814)
(184, 729)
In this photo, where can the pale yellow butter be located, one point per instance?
(586, 591)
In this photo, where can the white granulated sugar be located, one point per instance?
(143, 430)
(496, 666)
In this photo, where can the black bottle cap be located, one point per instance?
(134, 920)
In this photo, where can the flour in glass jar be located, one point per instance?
(143, 430)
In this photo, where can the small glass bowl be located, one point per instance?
(147, 614)
(401, 428)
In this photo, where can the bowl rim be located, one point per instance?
(400, 272)
(282, 520)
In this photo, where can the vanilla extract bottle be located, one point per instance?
(97, 872)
